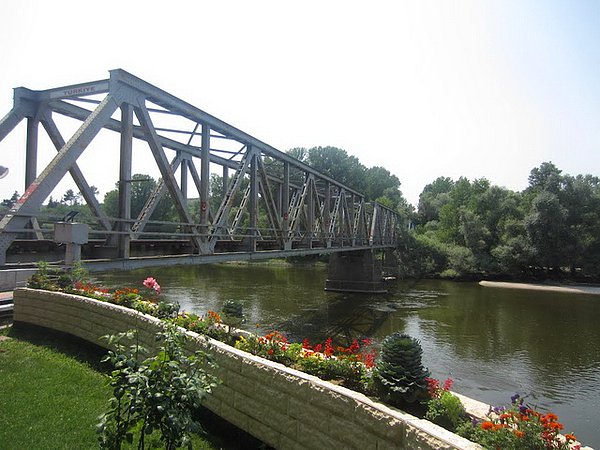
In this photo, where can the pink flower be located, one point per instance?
(151, 283)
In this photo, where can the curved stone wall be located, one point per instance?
(282, 407)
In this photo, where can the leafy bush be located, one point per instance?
(158, 394)
(399, 373)
(233, 313)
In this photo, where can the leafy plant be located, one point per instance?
(159, 394)
(399, 373)
(233, 313)
(57, 279)
(443, 407)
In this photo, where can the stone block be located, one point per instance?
(263, 411)
(269, 435)
(260, 390)
(315, 418)
(351, 434)
(314, 439)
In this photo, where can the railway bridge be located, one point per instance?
(272, 205)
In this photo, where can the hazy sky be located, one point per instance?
(423, 88)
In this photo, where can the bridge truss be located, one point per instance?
(270, 201)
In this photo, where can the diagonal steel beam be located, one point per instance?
(31, 201)
(79, 113)
(85, 189)
(10, 121)
(221, 218)
(152, 201)
(268, 198)
(163, 165)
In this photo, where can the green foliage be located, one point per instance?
(399, 373)
(351, 366)
(468, 227)
(159, 394)
(56, 279)
(377, 183)
(446, 410)
(233, 313)
(142, 187)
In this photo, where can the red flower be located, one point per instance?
(487, 425)
(448, 384)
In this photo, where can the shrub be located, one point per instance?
(158, 394)
(399, 373)
(233, 313)
(443, 407)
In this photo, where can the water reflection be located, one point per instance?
(493, 342)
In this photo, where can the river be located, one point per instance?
(492, 342)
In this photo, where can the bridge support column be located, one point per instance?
(357, 271)
(390, 263)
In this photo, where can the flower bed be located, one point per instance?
(351, 366)
(283, 407)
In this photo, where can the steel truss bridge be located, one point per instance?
(272, 205)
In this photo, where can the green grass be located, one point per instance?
(53, 388)
(49, 400)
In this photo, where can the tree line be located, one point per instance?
(471, 228)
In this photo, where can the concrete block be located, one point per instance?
(71, 233)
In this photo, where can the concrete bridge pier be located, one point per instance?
(357, 271)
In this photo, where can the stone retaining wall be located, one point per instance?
(282, 407)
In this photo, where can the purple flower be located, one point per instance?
(474, 422)
(522, 409)
(498, 409)
(514, 398)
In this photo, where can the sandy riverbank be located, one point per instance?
(569, 289)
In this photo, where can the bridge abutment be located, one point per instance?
(357, 271)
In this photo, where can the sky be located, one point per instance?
(425, 89)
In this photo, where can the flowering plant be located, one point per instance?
(351, 365)
(151, 283)
(129, 297)
(519, 427)
(209, 324)
(443, 407)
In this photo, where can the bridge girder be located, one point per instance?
(304, 209)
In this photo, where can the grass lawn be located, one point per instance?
(52, 391)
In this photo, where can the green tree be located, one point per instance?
(10, 202)
(547, 230)
(142, 187)
(70, 198)
(434, 196)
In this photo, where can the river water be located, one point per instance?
(492, 342)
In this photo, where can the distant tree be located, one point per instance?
(141, 188)
(434, 196)
(10, 202)
(70, 198)
(52, 203)
(547, 230)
